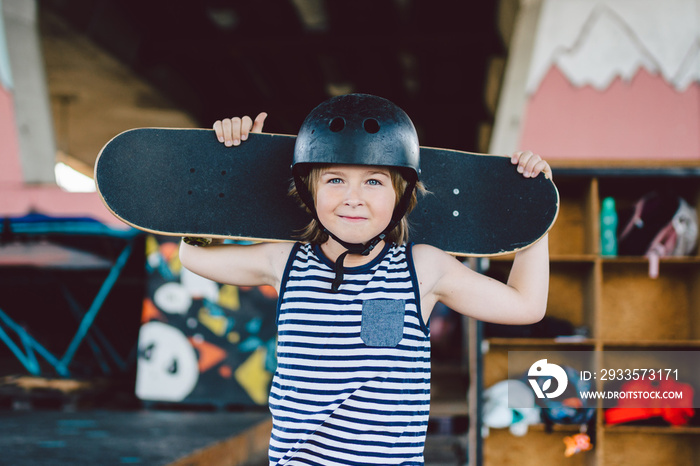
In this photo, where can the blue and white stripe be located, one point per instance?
(334, 399)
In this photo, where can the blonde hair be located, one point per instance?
(313, 233)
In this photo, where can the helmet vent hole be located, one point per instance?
(337, 124)
(371, 125)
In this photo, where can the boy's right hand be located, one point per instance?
(231, 131)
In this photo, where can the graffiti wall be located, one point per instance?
(201, 342)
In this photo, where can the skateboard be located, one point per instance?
(183, 182)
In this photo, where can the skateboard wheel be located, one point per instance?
(192, 241)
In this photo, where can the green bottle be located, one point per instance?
(608, 228)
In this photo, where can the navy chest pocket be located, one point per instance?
(382, 322)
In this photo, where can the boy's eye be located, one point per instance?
(374, 182)
(335, 181)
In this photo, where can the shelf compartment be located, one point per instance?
(636, 307)
(536, 447)
(674, 369)
(627, 190)
(571, 291)
(653, 446)
(573, 233)
(497, 363)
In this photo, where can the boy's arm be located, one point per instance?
(522, 300)
(235, 264)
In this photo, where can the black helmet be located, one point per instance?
(357, 129)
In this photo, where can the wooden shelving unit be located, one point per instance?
(621, 308)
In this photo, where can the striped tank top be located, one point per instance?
(352, 385)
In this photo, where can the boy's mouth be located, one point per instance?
(352, 219)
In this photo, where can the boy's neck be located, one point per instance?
(332, 249)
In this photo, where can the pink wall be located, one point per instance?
(10, 170)
(18, 199)
(645, 119)
(55, 202)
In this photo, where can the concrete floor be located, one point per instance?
(42, 427)
(440, 450)
(154, 438)
(148, 437)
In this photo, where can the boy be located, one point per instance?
(352, 384)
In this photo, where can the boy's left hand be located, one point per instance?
(530, 164)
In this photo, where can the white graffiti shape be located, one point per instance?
(167, 368)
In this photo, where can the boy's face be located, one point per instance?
(355, 202)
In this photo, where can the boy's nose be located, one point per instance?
(353, 196)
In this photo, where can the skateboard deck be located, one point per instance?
(183, 182)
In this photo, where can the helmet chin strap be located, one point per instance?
(351, 248)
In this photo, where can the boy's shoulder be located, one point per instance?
(422, 248)
(278, 251)
(425, 254)
(433, 266)
(432, 261)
